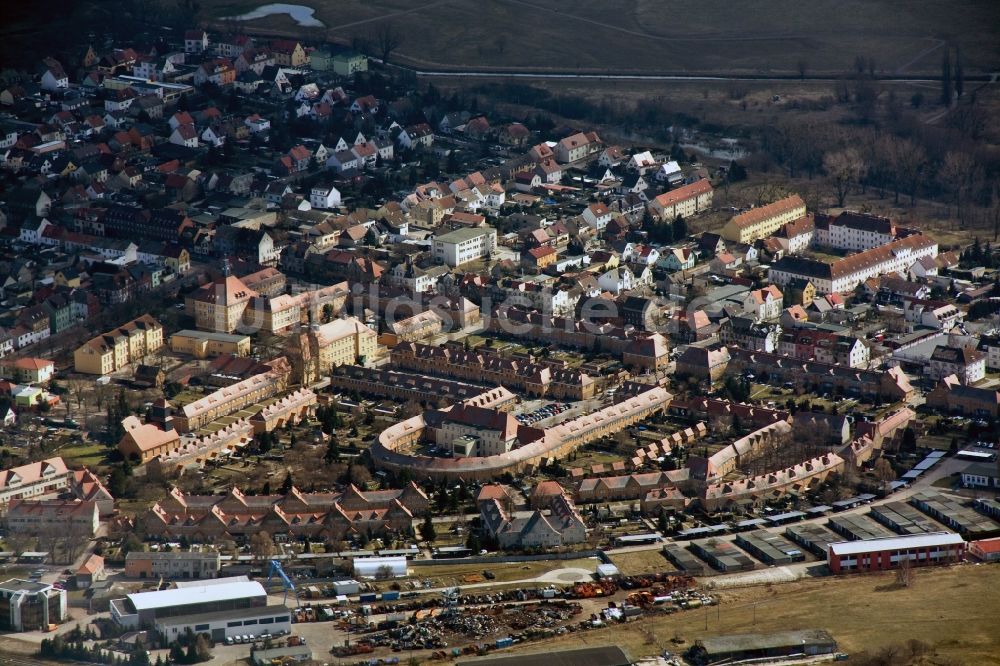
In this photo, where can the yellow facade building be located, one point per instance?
(761, 222)
(319, 349)
(204, 344)
(119, 347)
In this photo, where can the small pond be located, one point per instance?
(304, 16)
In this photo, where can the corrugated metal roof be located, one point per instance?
(896, 543)
(196, 595)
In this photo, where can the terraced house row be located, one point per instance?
(331, 516)
(490, 368)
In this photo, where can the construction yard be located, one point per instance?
(862, 612)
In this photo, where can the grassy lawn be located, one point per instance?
(89, 454)
(641, 562)
(186, 397)
(588, 458)
(862, 612)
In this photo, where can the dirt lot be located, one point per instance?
(448, 575)
(861, 612)
(641, 562)
(639, 35)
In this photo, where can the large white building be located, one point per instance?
(254, 622)
(854, 231)
(152, 609)
(464, 245)
(845, 274)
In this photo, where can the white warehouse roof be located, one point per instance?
(896, 543)
(196, 595)
(370, 566)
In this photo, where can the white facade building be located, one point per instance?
(464, 245)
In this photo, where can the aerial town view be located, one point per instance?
(542, 333)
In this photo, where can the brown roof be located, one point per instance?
(684, 193)
(31, 472)
(756, 215)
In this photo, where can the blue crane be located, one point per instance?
(286, 582)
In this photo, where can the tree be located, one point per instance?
(908, 160)
(958, 175)
(904, 573)
(946, 78)
(844, 169)
(884, 472)
(359, 475)
(287, 484)
(262, 545)
(387, 39)
(427, 531)
(802, 66)
(680, 229)
(909, 442)
(959, 74)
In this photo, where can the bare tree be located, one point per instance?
(844, 169)
(386, 40)
(262, 545)
(958, 175)
(884, 472)
(904, 574)
(907, 160)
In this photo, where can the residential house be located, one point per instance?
(966, 363)
(685, 201)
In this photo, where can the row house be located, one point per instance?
(953, 396)
(747, 333)
(833, 348)
(333, 516)
(33, 479)
(491, 369)
(891, 384)
(229, 399)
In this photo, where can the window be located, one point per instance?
(237, 623)
(201, 627)
(267, 620)
(281, 618)
(247, 623)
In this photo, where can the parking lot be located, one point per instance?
(543, 411)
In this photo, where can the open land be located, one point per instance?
(643, 35)
(862, 612)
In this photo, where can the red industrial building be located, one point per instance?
(888, 552)
(987, 550)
